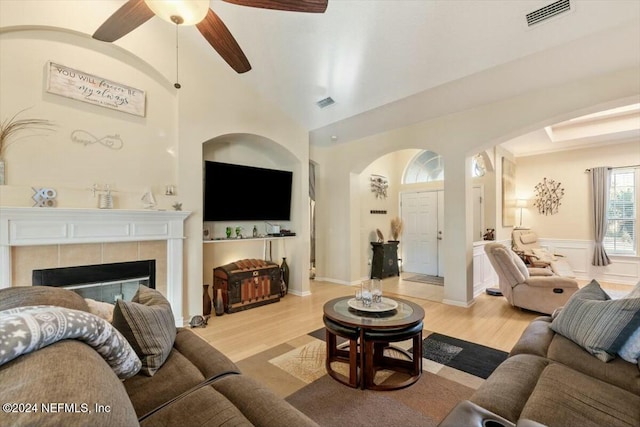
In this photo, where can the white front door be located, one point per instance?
(440, 226)
(420, 236)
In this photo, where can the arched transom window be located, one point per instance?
(425, 167)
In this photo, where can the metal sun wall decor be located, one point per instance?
(548, 194)
(379, 185)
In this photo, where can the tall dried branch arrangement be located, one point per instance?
(9, 127)
(396, 227)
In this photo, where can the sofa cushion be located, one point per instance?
(564, 397)
(148, 324)
(264, 407)
(522, 267)
(535, 339)
(209, 360)
(66, 372)
(177, 375)
(191, 362)
(599, 326)
(616, 372)
(21, 296)
(506, 391)
(204, 407)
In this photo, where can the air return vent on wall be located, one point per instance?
(548, 11)
(323, 103)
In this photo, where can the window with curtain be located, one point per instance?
(425, 167)
(622, 212)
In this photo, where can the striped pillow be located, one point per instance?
(596, 323)
(148, 324)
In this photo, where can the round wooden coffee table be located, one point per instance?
(369, 333)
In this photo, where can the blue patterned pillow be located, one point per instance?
(630, 351)
(596, 323)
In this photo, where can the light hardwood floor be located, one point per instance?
(491, 321)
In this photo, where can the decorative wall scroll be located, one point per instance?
(81, 86)
(113, 142)
(548, 194)
(379, 185)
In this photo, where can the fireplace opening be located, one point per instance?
(101, 282)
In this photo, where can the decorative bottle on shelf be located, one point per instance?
(219, 304)
(206, 301)
(284, 269)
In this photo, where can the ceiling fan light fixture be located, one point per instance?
(191, 11)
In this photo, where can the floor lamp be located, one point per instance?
(521, 203)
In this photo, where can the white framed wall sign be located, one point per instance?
(85, 87)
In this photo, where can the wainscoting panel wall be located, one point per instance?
(579, 253)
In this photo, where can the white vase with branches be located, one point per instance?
(396, 228)
(11, 126)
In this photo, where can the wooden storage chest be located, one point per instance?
(247, 283)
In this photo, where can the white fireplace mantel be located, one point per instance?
(57, 226)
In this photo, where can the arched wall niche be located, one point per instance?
(257, 151)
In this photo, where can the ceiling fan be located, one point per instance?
(197, 12)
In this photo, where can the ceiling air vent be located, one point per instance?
(548, 11)
(324, 103)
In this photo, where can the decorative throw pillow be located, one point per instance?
(148, 324)
(596, 323)
(630, 351)
(28, 329)
(100, 309)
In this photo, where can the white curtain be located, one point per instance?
(600, 190)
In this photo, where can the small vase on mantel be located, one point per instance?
(218, 303)
(206, 301)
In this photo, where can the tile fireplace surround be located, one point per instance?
(58, 226)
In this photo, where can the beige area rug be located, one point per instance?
(296, 372)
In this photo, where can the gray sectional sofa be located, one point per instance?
(550, 380)
(69, 383)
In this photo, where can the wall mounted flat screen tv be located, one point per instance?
(246, 193)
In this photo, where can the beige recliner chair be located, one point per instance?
(525, 243)
(536, 289)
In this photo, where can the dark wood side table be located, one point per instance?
(375, 332)
(385, 260)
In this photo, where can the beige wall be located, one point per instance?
(457, 137)
(573, 220)
(165, 147)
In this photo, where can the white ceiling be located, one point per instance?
(389, 63)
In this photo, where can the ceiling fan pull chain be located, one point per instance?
(177, 84)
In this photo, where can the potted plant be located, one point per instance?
(13, 125)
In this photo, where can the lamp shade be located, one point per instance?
(191, 11)
(521, 203)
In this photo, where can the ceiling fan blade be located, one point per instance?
(310, 6)
(220, 38)
(124, 20)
